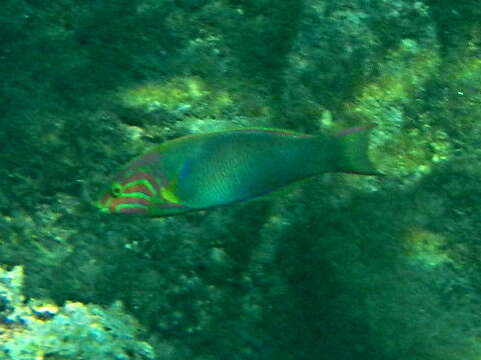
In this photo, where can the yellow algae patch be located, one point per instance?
(406, 70)
(415, 151)
(467, 69)
(426, 247)
(177, 94)
(43, 310)
(402, 75)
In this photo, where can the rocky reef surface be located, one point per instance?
(337, 267)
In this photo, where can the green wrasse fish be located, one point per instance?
(202, 171)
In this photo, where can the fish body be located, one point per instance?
(207, 170)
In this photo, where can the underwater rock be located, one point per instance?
(39, 329)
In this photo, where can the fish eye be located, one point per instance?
(116, 190)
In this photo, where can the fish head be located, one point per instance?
(138, 192)
(131, 192)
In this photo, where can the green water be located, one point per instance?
(341, 266)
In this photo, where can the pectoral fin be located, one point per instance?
(169, 193)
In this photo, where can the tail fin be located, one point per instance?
(353, 143)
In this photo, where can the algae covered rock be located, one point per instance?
(41, 330)
(340, 267)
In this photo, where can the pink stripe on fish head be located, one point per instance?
(142, 176)
(115, 205)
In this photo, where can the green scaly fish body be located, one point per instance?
(203, 171)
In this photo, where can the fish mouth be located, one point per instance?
(103, 209)
(87, 198)
(103, 205)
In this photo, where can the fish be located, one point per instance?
(202, 171)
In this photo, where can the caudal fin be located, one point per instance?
(353, 143)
